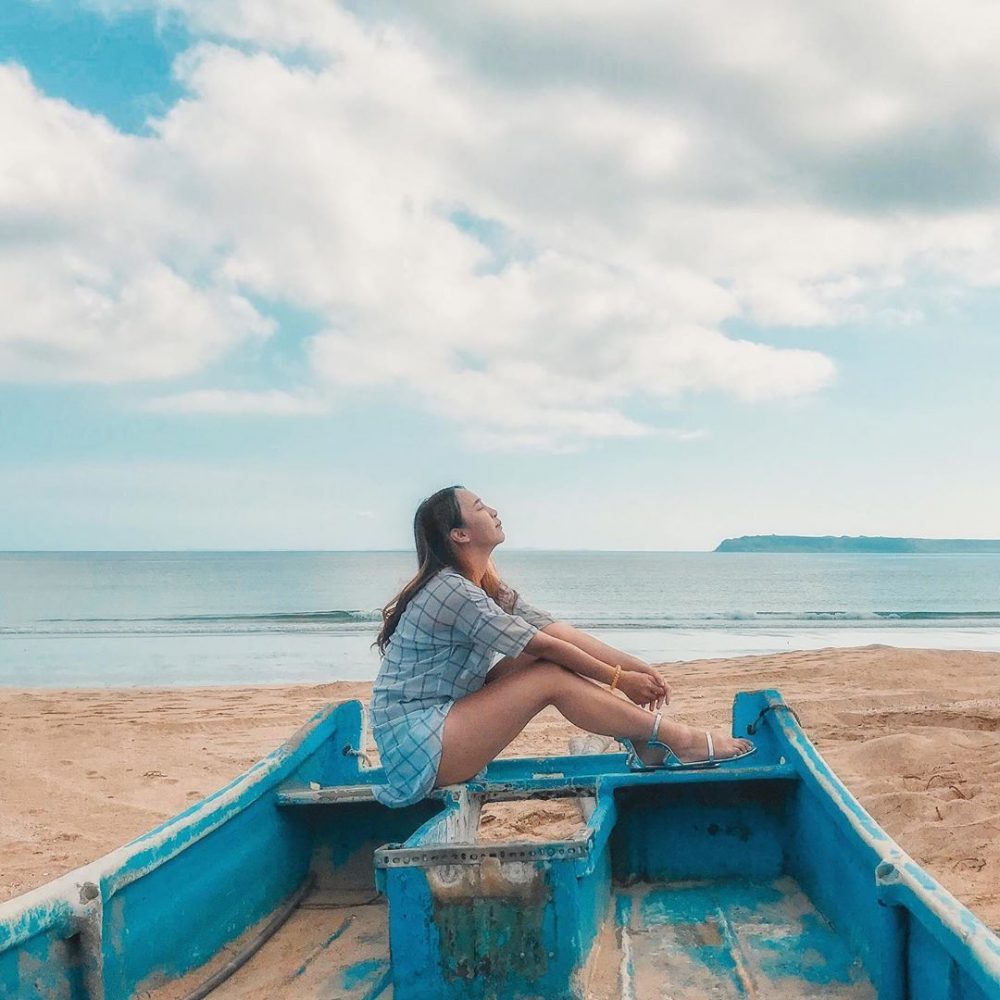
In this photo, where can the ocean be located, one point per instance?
(82, 619)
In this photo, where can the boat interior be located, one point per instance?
(692, 890)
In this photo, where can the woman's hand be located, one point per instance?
(643, 688)
(640, 667)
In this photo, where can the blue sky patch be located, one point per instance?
(117, 66)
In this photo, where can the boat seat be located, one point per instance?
(494, 791)
(338, 795)
(533, 785)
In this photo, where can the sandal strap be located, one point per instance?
(711, 745)
(655, 734)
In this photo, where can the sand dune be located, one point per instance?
(915, 734)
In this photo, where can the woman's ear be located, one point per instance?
(459, 535)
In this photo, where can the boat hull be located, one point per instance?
(764, 877)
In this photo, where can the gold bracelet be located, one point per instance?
(614, 680)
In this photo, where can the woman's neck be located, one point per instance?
(474, 566)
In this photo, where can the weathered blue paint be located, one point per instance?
(370, 970)
(338, 933)
(622, 903)
(726, 828)
(737, 932)
(165, 903)
(815, 954)
(458, 930)
(840, 845)
(768, 871)
(784, 814)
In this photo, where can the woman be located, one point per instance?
(440, 713)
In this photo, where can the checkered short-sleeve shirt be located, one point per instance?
(443, 646)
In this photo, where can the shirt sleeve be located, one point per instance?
(474, 614)
(531, 614)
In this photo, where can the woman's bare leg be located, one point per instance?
(508, 664)
(481, 724)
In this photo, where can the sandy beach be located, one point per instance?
(915, 735)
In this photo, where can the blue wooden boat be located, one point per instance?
(762, 879)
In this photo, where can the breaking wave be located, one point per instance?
(340, 621)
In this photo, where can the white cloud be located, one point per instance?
(269, 403)
(678, 434)
(522, 218)
(93, 288)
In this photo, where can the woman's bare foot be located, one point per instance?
(689, 744)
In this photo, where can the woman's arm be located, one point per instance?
(600, 650)
(608, 654)
(643, 687)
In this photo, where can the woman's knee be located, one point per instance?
(553, 678)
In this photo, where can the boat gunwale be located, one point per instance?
(899, 880)
(58, 904)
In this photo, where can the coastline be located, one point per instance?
(912, 733)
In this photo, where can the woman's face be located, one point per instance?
(480, 522)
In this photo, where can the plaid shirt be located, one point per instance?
(442, 648)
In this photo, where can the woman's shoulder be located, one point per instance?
(453, 588)
(451, 577)
(448, 581)
(443, 597)
(444, 581)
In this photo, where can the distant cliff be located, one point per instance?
(856, 543)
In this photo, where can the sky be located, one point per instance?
(642, 276)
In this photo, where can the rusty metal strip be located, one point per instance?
(512, 791)
(474, 854)
(341, 793)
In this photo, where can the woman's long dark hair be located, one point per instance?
(435, 518)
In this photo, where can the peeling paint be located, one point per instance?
(490, 919)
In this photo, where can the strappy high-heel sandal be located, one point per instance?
(671, 762)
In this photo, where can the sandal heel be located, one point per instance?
(633, 761)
